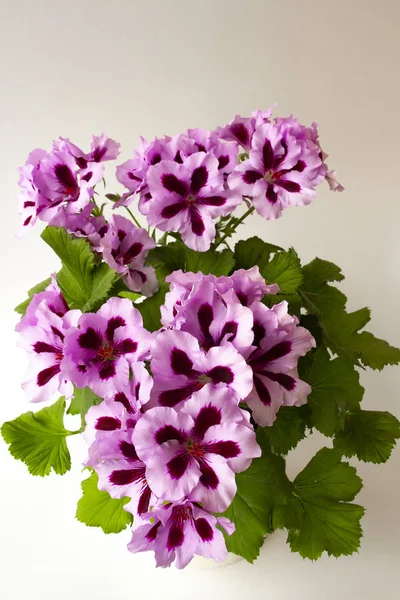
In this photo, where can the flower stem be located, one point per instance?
(236, 225)
(133, 217)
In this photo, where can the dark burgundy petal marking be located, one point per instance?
(225, 448)
(167, 433)
(40, 347)
(243, 299)
(221, 374)
(181, 363)
(98, 153)
(198, 226)
(27, 221)
(107, 424)
(126, 347)
(128, 450)
(212, 201)
(103, 230)
(142, 275)
(173, 397)
(198, 180)
(28, 203)
(240, 132)
(152, 533)
(208, 476)
(133, 252)
(122, 398)
(204, 529)
(88, 176)
(207, 417)
(279, 159)
(82, 368)
(121, 234)
(286, 381)
(289, 186)
(201, 148)
(81, 162)
(270, 194)
(178, 158)
(65, 177)
(251, 176)
(178, 465)
(222, 162)
(126, 476)
(262, 391)
(47, 374)
(173, 184)
(56, 331)
(107, 370)
(230, 329)
(205, 317)
(90, 340)
(259, 333)
(112, 325)
(168, 212)
(175, 538)
(268, 155)
(144, 500)
(277, 351)
(134, 177)
(299, 166)
(156, 159)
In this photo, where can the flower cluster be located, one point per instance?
(184, 182)
(169, 433)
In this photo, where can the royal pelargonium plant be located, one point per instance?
(194, 366)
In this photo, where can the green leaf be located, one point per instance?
(98, 509)
(82, 283)
(166, 259)
(288, 429)
(39, 287)
(150, 309)
(82, 400)
(262, 492)
(217, 263)
(253, 251)
(335, 390)
(320, 516)
(132, 296)
(285, 270)
(39, 440)
(318, 272)
(373, 352)
(370, 435)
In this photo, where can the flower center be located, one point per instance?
(194, 449)
(203, 379)
(106, 352)
(270, 176)
(190, 199)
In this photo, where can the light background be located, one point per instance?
(149, 67)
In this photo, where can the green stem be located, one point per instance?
(242, 218)
(133, 217)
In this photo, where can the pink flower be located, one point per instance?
(195, 452)
(177, 531)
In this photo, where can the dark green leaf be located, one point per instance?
(217, 263)
(288, 429)
(39, 287)
(98, 509)
(370, 435)
(373, 352)
(39, 440)
(318, 272)
(150, 309)
(166, 259)
(335, 390)
(253, 251)
(262, 492)
(285, 270)
(82, 283)
(319, 516)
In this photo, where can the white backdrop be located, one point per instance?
(131, 67)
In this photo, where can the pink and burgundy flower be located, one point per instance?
(125, 248)
(101, 349)
(181, 368)
(112, 455)
(276, 173)
(43, 337)
(177, 531)
(187, 197)
(51, 297)
(278, 344)
(195, 452)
